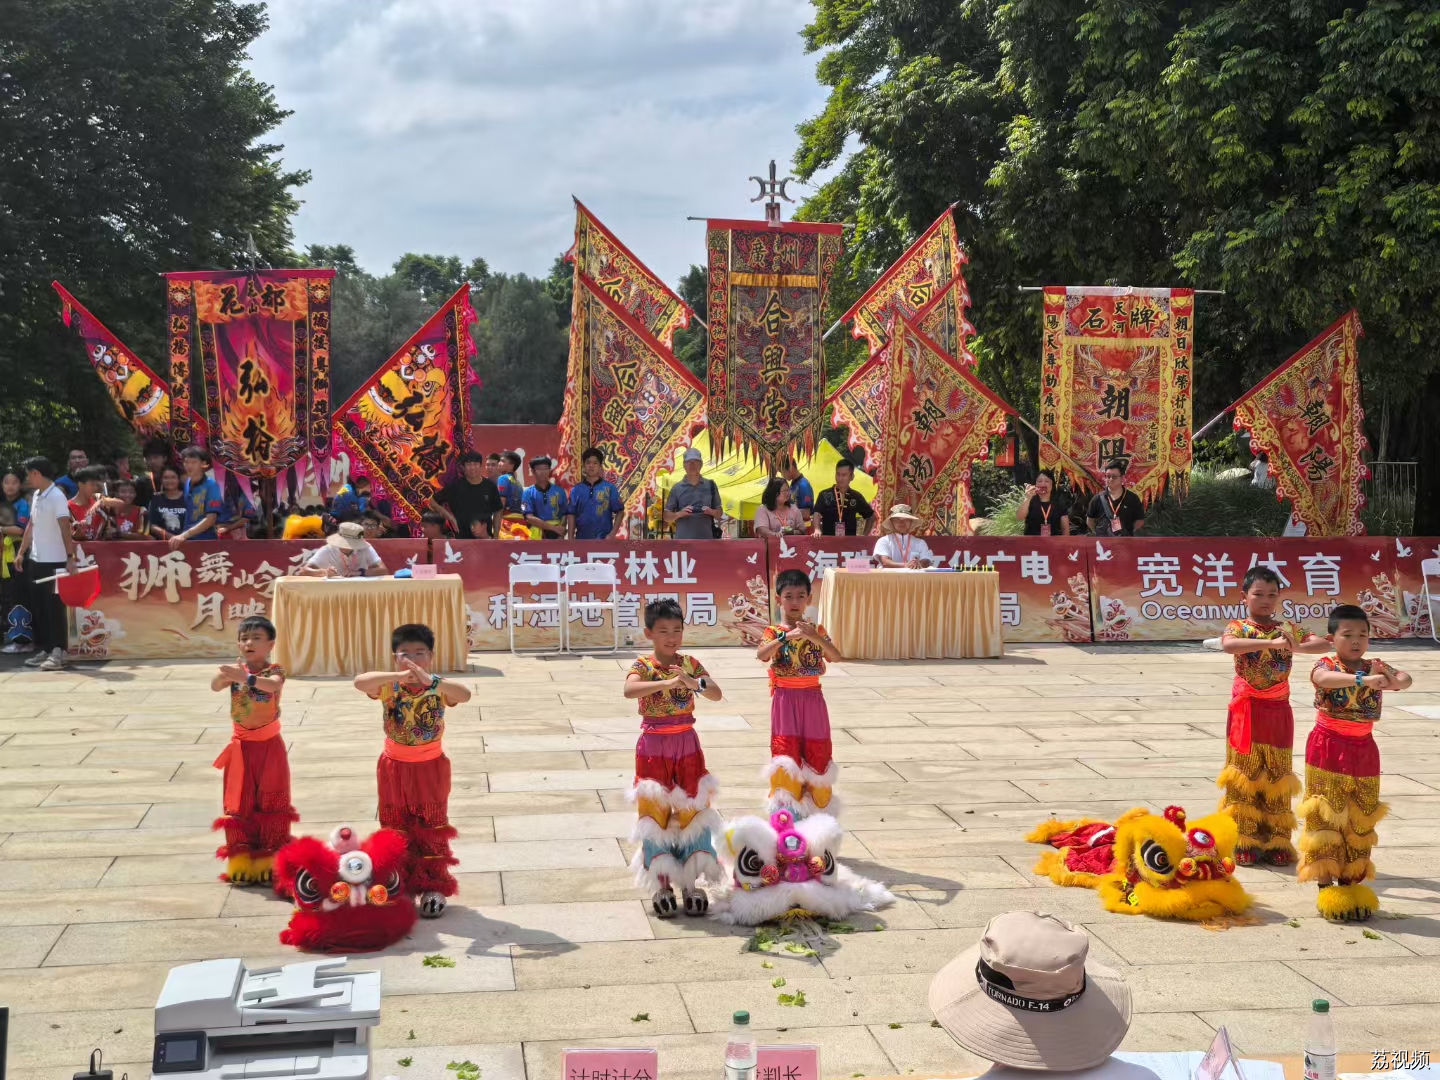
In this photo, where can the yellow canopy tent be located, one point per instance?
(741, 477)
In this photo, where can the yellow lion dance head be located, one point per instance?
(1156, 865)
(300, 527)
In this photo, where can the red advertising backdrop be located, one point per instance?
(1044, 581)
(720, 585)
(157, 603)
(1177, 589)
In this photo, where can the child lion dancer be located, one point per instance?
(258, 814)
(1258, 779)
(1342, 770)
(413, 773)
(673, 791)
(802, 771)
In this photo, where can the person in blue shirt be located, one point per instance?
(512, 493)
(203, 502)
(547, 507)
(802, 495)
(595, 502)
(352, 500)
(77, 460)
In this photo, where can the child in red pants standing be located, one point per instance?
(258, 814)
(413, 774)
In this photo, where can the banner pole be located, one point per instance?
(1039, 434)
(1212, 422)
(1197, 292)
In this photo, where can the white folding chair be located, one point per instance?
(536, 574)
(1430, 569)
(600, 574)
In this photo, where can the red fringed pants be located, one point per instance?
(258, 822)
(414, 799)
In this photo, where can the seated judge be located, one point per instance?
(899, 547)
(346, 554)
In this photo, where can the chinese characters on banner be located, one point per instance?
(1306, 415)
(142, 397)
(1165, 589)
(862, 404)
(1115, 382)
(265, 363)
(920, 278)
(406, 427)
(626, 394)
(1044, 582)
(599, 256)
(767, 295)
(939, 422)
(720, 585)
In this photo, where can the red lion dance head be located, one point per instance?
(349, 896)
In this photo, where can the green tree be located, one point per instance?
(560, 287)
(692, 343)
(521, 352)
(132, 142)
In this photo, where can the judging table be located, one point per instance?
(912, 614)
(341, 626)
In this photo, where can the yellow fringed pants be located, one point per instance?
(1341, 808)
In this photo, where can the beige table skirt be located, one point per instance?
(911, 614)
(342, 627)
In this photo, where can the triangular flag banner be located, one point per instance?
(142, 397)
(625, 279)
(1307, 417)
(941, 418)
(406, 427)
(917, 280)
(264, 346)
(626, 395)
(768, 287)
(1116, 383)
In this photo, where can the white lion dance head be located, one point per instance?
(782, 866)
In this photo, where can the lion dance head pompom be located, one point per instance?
(349, 896)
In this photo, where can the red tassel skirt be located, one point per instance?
(414, 798)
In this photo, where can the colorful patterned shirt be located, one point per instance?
(1263, 670)
(413, 716)
(1360, 704)
(675, 702)
(594, 507)
(795, 657)
(256, 708)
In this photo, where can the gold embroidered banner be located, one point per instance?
(1115, 382)
(625, 279)
(1306, 415)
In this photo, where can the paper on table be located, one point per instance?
(1429, 1071)
(1134, 1066)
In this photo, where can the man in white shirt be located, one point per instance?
(49, 544)
(899, 547)
(346, 554)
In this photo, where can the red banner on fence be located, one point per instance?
(721, 586)
(1044, 581)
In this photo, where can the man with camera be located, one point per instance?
(693, 506)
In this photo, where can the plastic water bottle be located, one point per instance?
(1320, 1042)
(741, 1055)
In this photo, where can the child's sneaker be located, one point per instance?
(432, 905)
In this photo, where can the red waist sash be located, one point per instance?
(1242, 694)
(793, 682)
(422, 752)
(232, 758)
(1349, 728)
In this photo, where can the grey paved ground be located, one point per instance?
(106, 875)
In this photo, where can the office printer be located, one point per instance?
(311, 1021)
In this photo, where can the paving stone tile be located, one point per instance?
(49, 1040)
(70, 989)
(675, 960)
(26, 946)
(109, 816)
(562, 779)
(1137, 939)
(554, 886)
(495, 1060)
(93, 906)
(178, 941)
(538, 854)
(571, 1014)
(1361, 1028)
(24, 875)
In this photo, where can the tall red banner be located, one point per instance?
(406, 426)
(939, 424)
(142, 397)
(1307, 417)
(625, 279)
(264, 344)
(1116, 383)
(768, 287)
(626, 395)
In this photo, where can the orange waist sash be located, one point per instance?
(793, 682)
(667, 725)
(410, 754)
(1242, 694)
(1336, 726)
(232, 759)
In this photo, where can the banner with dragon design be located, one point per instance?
(1306, 415)
(141, 396)
(407, 425)
(1115, 383)
(264, 344)
(625, 279)
(918, 280)
(939, 423)
(768, 287)
(626, 395)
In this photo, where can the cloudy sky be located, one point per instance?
(464, 126)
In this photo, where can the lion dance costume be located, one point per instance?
(1148, 864)
(349, 896)
(258, 813)
(1258, 779)
(1342, 797)
(802, 772)
(672, 793)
